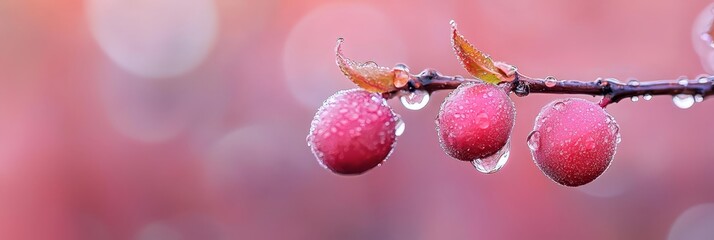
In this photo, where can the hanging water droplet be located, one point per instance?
(635, 98)
(633, 82)
(495, 162)
(400, 127)
(558, 106)
(551, 81)
(415, 100)
(647, 97)
(683, 101)
(698, 98)
(533, 140)
(614, 128)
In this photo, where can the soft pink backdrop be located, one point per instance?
(162, 119)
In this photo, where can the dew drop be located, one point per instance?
(614, 129)
(602, 82)
(683, 101)
(550, 81)
(370, 64)
(612, 80)
(415, 100)
(683, 81)
(635, 98)
(482, 120)
(401, 75)
(558, 106)
(522, 89)
(647, 97)
(633, 82)
(702, 79)
(458, 78)
(400, 127)
(453, 24)
(495, 162)
(402, 67)
(534, 140)
(698, 98)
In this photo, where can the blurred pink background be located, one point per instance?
(160, 119)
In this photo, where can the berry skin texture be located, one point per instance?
(475, 121)
(353, 131)
(573, 141)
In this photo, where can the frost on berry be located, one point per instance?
(475, 123)
(573, 141)
(353, 131)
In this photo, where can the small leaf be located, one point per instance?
(474, 61)
(368, 75)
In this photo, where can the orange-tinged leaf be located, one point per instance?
(368, 75)
(474, 61)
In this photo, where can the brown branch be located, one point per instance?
(612, 90)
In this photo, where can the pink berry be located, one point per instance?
(475, 121)
(353, 131)
(573, 141)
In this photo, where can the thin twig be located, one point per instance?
(612, 90)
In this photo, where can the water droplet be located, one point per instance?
(612, 80)
(698, 98)
(370, 64)
(402, 67)
(602, 82)
(633, 82)
(372, 107)
(635, 98)
(647, 97)
(534, 140)
(702, 79)
(683, 101)
(558, 106)
(550, 81)
(458, 78)
(522, 89)
(683, 82)
(614, 129)
(482, 120)
(415, 100)
(400, 127)
(453, 24)
(495, 162)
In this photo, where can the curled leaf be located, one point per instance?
(474, 61)
(368, 75)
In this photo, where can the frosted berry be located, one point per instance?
(573, 141)
(475, 121)
(353, 131)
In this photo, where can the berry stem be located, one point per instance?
(612, 90)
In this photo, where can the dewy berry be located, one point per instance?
(353, 131)
(573, 141)
(475, 121)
